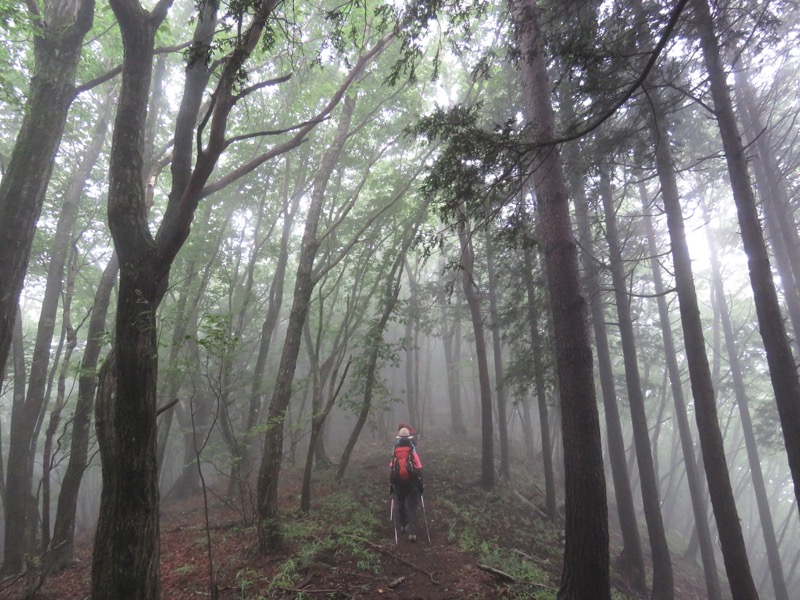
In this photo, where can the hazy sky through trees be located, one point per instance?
(291, 163)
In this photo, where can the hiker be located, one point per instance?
(412, 434)
(405, 482)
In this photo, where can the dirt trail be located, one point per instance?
(346, 548)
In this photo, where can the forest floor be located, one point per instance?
(482, 545)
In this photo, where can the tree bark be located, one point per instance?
(586, 563)
(696, 492)
(756, 474)
(502, 421)
(57, 49)
(631, 557)
(782, 369)
(663, 586)
(487, 479)
(719, 484)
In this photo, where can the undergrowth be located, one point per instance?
(479, 529)
(495, 529)
(334, 534)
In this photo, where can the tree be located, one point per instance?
(663, 586)
(742, 402)
(451, 344)
(502, 426)
(373, 344)
(411, 363)
(305, 280)
(57, 49)
(586, 564)
(693, 476)
(780, 224)
(631, 558)
(715, 463)
(23, 438)
(126, 552)
(275, 299)
(782, 369)
(125, 563)
(62, 544)
(533, 309)
(473, 303)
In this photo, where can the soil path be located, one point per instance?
(346, 547)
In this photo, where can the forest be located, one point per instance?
(241, 240)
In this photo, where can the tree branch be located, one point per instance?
(656, 52)
(110, 74)
(299, 138)
(255, 134)
(262, 85)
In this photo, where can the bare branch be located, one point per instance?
(262, 84)
(110, 74)
(255, 134)
(300, 137)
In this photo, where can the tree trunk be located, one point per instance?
(663, 587)
(275, 298)
(71, 336)
(57, 50)
(125, 564)
(62, 545)
(267, 501)
(473, 303)
(782, 369)
(586, 564)
(631, 557)
(756, 478)
(502, 421)
(451, 360)
(780, 222)
(532, 307)
(126, 547)
(696, 492)
(719, 485)
(20, 369)
(18, 389)
(22, 192)
(172, 378)
(59, 250)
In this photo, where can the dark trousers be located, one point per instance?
(407, 500)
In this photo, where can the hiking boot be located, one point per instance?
(412, 537)
(403, 528)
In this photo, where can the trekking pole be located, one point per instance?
(391, 517)
(425, 517)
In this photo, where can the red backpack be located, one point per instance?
(403, 469)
